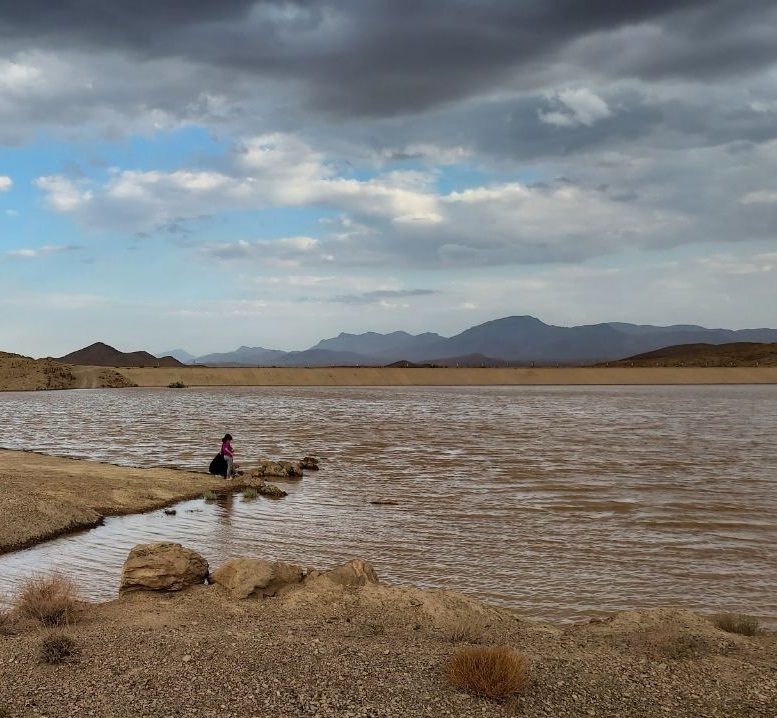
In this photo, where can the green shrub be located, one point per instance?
(250, 493)
(50, 599)
(209, 496)
(737, 623)
(58, 648)
(489, 671)
(176, 385)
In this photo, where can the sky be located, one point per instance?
(203, 175)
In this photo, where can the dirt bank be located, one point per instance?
(44, 496)
(374, 652)
(372, 376)
(21, 373)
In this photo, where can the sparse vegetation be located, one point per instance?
(5, 625)
(57, 648)
(250, 493)
(737, 623)
(50, 599)
(494, 672)
(669, 641)
(209, 495)
(176, 385)
(469, 630)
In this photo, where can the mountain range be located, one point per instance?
(517, 340)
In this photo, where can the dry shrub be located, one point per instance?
(50, 599)
(671, 642)
(469, 629)
(737, 623)
(57, 648)
(5, 624)
(489, 671)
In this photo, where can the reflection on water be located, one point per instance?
(559, 501)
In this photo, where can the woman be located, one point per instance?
(228, 454)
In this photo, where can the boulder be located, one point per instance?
(353, 574)
(270, 491)
(278, 469)
(162, 567)
(309, 463)
(244, 577)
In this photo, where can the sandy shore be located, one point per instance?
(43, 496)
(325, 650)
(374, 376)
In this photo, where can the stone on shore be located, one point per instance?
(270, 491)
(162, 567)
(244, 577)
(353, 574)
(278, 469)
(309, 463)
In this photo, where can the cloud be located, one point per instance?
(381, 296)
(43, 251)
(5, 183)
(576, 107)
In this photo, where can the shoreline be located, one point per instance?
(445, 376)
(43, 497)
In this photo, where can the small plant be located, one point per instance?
(489, 671)
(466, 630)
(209, 496)
(5, 626)
(57, 648)
(176, 385)
(250, 493)
(50, 599)
(737, 623)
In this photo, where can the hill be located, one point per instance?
(22, 373)
(706, 355)
(100, 354)
(516, 340)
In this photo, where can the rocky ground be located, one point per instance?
(376, 651)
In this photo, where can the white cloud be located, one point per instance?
(760, 197)
(5, 183)
(29, 253)
(575, 107)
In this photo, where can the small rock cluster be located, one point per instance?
(172, 567)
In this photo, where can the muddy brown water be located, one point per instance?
(561, 502)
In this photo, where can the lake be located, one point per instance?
(560, 502)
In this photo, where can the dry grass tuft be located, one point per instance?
(490, 671)
(50, 599)
(737, 623)
(467, 630)
(6, 628)
(57, 648)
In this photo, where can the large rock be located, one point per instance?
(278, 470)
(244, 577)
(162, 567)
(353, 574)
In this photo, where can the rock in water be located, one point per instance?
(162, 567)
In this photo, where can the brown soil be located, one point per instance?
(20, 373)
(44, 496)
(377, 652)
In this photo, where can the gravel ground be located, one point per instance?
(374, 652)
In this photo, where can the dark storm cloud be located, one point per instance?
(383, 57)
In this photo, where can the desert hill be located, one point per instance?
(100, 354)
(21, 373)
(700, 355)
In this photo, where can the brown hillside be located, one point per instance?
(100, 354)
(21, 373)
(706, 355)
